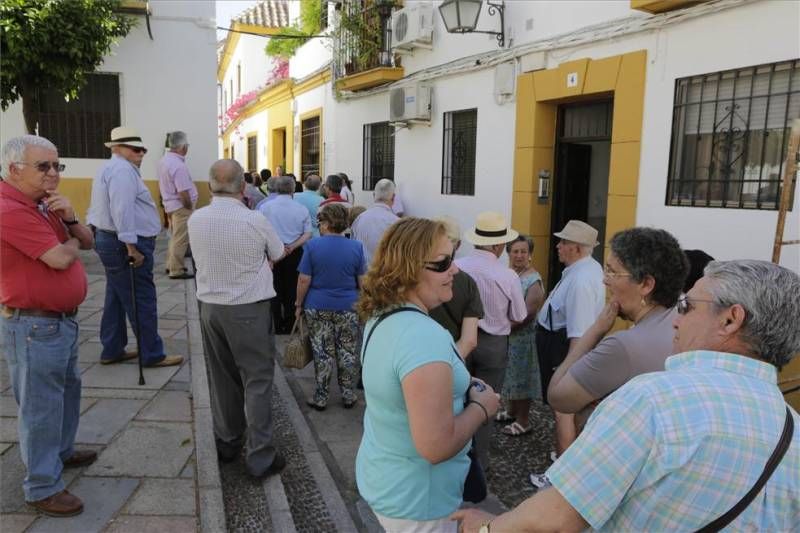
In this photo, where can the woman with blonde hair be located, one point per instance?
(412, 461)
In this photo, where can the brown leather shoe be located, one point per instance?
(124, 357)
(81, 458)
(59, 504)
(169, 360)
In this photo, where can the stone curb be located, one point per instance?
(335, 505)
(209, 484)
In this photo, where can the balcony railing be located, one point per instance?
(363, 42)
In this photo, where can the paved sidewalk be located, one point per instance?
(145, 477)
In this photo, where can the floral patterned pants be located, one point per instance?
(335, 339)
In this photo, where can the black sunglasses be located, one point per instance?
(45, 166)
(439, 266)
(137, 149)
(685, 305)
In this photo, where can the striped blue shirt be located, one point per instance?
(122, 203)
(674, 450)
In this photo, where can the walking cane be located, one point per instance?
(136, 328)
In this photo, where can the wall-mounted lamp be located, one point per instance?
(544, 184)
(461, 16)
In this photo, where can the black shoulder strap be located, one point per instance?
(380, 319)
(775, 459)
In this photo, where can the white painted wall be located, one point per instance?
(160, 90)
(755, 33)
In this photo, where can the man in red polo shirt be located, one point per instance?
(42, 282)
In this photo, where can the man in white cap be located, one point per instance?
(126, 223)
(570, 309)
(503, 303)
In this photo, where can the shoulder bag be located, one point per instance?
(475, 482)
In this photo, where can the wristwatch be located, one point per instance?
(485, 527)
(71, 222)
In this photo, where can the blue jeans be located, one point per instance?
(42, 357)
(113, 332)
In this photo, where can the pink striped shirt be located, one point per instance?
(500, 290)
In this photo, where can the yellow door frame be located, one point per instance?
(538, 96)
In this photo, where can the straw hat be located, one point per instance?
(490, 228)
(579, 232)
(126, 136)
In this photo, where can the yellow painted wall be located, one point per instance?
(538, 95)
(79, 192)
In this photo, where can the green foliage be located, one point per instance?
(53, 44)
(292, 36)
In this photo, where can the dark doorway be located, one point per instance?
(580, 189)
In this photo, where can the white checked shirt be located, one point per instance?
(232, 247)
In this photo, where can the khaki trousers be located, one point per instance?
(179, 241)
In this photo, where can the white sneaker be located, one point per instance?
(540, 481)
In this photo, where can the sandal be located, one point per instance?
(503, 416)
(515, 430)
(314, 405)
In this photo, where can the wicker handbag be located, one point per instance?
(298, 350)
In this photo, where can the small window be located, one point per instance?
(252, 151)
(225, 99)
(309, 146)
(233, 152)
(238, 79)
(730, 132)
(378, 155)
(231, 91)
(458, 158)
(79, 127)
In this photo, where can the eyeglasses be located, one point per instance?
(607, 272)
(136, 149)
(44, 166)
(439, 266)
(685, 304)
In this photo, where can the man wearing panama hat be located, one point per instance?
(126, 221)
(503, 303)
(570, 309)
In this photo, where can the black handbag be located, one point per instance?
(475, 482)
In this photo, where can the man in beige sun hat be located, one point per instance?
(126, 224)
(570, 309)
(503, 303)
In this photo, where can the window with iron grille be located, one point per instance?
(458, 157)
(309, 146)
(730, 132)
(378, 155)
(79, 127)
(252, 153)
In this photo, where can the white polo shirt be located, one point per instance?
(577, 300)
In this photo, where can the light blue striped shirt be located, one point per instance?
(674, 450)
(289, 218)
(122, 203)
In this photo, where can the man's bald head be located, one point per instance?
(226, 177)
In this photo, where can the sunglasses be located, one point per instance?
(439, 266)
(136, 149)
(685, 304)
(44, 166)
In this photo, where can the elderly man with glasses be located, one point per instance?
(678, 450)
(126, 222)
(42, 283)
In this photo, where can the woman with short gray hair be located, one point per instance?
(644, 275)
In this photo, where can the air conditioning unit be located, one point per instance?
(412, 27)
(410, 103)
